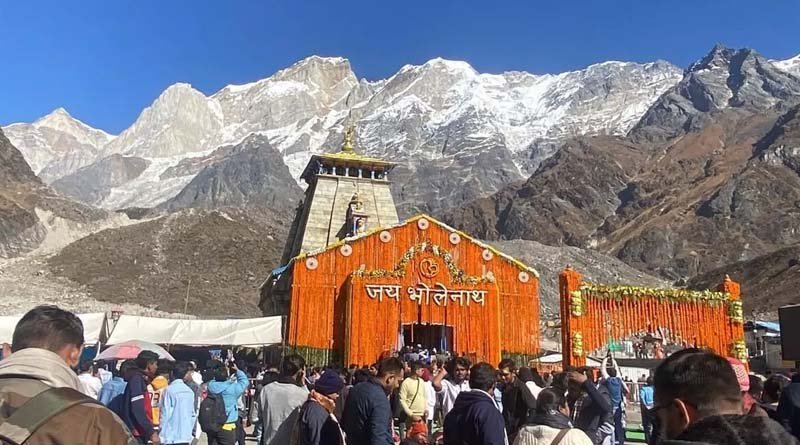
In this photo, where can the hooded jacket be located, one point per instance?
(544, 428)
(733, 430)
(28, 372)
(136, 405)
(474, 420)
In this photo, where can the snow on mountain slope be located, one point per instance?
(439, 118)
(57, 144)
(791, 65)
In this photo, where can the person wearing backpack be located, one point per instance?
(40, 394)
(223, 395)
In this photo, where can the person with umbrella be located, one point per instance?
(136, 399)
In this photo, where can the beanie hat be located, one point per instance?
(741, 374)
(329, 383)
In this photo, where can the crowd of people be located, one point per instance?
(693, 397)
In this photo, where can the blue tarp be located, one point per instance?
(773, 326)
(279, 270)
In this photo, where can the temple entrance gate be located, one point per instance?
(596, 318)
(429, 336)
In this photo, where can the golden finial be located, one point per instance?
(349, 135)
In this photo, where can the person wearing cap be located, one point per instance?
(698, 399)
(316, 423)
(749, 404)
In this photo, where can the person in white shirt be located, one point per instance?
(91, 383)
(430, 398)
(103, 373)
(450, 388)
(197, 378)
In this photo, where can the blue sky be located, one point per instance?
(105, 61)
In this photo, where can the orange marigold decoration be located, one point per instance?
(705, 318)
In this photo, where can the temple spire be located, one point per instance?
(349, 136)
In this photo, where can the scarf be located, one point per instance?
(552, 419)
(324, 401)
(42, 365)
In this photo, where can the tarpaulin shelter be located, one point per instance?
(94, 327)
(254, 332)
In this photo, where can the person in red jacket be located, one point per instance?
(136, 406)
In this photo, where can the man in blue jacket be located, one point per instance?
(367, 416)
(135, 408)
(475, 419)
(112, 392)
(230, 389)
(178, 416)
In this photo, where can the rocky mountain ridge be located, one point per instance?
(57, 144)
(482, 130)
(708, 176)
(24, 199)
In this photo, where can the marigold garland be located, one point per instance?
(636, 292)
(456, 275)
(605, 313)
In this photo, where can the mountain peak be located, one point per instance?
(60, 119)
(450, 65)
(178, 87)
(60, 111)
(322, 59)
(721, 56)
(59, 114)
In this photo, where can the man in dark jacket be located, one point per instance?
(590, 406)
(316, 424)
(474, 419)
(698, 400)
(136, 399)
(367, 416)
(789, 406)
(515, 406)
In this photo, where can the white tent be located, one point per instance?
(557, 358)
(93, 325)
(168, 331)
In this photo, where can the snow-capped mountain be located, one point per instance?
(791, 65)
(460, 134)
(57, 144)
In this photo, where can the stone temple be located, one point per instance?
(355, 283)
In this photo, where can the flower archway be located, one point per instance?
(594, 316)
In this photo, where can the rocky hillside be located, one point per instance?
(768, 281)
(93, 183)
(250, 174)
(689, 189)
(21, 195)
(219, 258)
(594, 267)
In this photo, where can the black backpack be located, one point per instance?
(212, 413)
